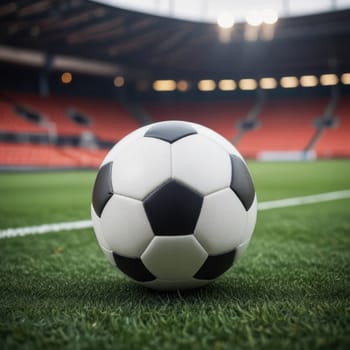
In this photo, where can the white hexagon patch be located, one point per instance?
(222, 222)
(143, 165)
(125, 226)
(174, 257)
(201, 164)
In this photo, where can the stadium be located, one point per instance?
(273, 79)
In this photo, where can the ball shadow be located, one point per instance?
(121, 291)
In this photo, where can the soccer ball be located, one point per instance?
(173, 205)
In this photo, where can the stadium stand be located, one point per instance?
(115, 53)
(10, 121)
(335, 140)
(109, 121)
(219, 116)
(285, 125)
(47, 156)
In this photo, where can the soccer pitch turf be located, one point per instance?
(290, 291)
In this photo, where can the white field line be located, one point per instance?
(315, 198)
(76, 225)
(55, 227)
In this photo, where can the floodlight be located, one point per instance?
(119, 81)
(268, 83)
(254, 19)
(206, 85)
(248, 84)
(227, 85)
(269, 16)
(225, 20)
(289, 82)
(345, 78)
(164, 85)
(308, 81)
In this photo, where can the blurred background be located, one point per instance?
(273, 77)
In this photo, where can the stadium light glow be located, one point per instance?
(308, 81)
(225, 20)
(269, 16)
(227, 85)
(182, 85)
(164, 85)
(345, 78)
(251, 33)
(119, 81)
(329, 79)
(289, 82)
(248, 84)
(254, 19)
(268, 83)
(206, 85)
(66, 78)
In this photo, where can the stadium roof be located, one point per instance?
(209, 11)
(139, 44)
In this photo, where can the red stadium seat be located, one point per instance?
(110, 122)
(335, 142)
(10, 121)
(219, 116)
(285, 125)
(28, 155)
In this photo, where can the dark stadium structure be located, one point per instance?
(77, 76)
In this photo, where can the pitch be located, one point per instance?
(290, 291)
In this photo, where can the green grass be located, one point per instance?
(290, 291)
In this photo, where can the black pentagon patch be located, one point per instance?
(170, 132)
(241, 182)
(134, 268)
(173, 209)
(215, 265)
(103, 189)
